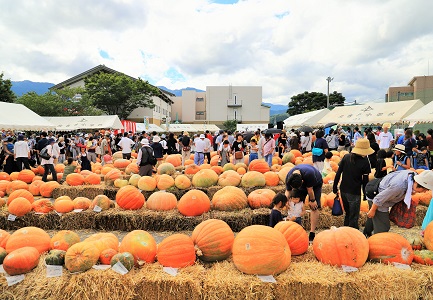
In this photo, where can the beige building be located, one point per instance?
(221, 103)
(420, 87)
(156, 115)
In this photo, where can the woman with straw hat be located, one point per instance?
(353, 170)
(400, 159)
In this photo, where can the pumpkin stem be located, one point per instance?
(198, 252)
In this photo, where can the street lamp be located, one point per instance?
(329, 79)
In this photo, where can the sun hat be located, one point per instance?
(362, 147)
(387, 125)
(145, 142)
(400, 148)
(156, 139)
(202, 136)
(163, 136)
(425, 179)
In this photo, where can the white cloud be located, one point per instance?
(287, 47)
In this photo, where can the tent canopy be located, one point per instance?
(85, 122)
(422, 115)
(371, 113)
(305, 119)
(203, 127)
(179, 127)
(251, 127)
(18, 117)
(152, 127)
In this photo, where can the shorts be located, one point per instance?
(317, 190)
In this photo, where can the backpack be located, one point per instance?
(372, 188)
(44, 154)
(151, 160)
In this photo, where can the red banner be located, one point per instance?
(127, 126)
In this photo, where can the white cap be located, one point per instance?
(425, 179)
(202, 136)
(144, 142)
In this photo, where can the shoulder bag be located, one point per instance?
(316, 151)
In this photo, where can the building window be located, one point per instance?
(200, 113)
(199, 99)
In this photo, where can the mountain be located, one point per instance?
(22, 87)
(277, 108)
(178, 93)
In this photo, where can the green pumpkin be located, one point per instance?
(55, 258)
(126, 258)
(424, 257)
(3, 254)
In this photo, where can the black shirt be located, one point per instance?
(275, 217)
(157, 150)
(353, 167)
(373, 157)
(42, 143)
(185, 141)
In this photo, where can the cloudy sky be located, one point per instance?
(285, 46)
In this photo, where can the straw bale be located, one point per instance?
(327, 220)
(171, 220)
(260, 216)
(224, 281)
(119, 219)
(110, 192)
(327, 188)
(237, 220)
(89, 191)
(151, 282)
(281, 188)
(81, 220)
(421, 211)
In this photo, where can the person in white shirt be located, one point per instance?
(48, 164)
(22, 153)
(385, 138)
(207, 149)
(200, 145)
(126, 143)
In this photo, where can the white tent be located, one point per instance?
(152, 127)
(179, 127)
(203, 127)
(251, 127)
(422, 115)
(371, 113)
(305, 119)
(85, 122)
(18, 117)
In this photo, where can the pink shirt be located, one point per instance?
(108, 159)
(268, 147)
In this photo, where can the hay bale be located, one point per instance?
(224, 281)
(89, 191)
(151, 282)
(237, 220)
(327, 220)
(110, 192)
(277, 189)
(76, 221)
(119, 219)
(327, 188)
(260, 216)
(420, 214)
(171, 220)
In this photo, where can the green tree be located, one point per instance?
(230, 125)
(309, 101)
(6, 93)
(47, 104)
(118, 94)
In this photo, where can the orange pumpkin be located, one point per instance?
(35, 186)
(5, 176)
(193, 203)
(106, 169)
(64, 206)
(63, 198)
(102, 241)
(21, 261)
(191, 169)
(4, 236)
(253, 179)
(389, 247)
(213, 239)
(19, 207)
(176, 251)
(174, 159)
(102, 201)
(42, 206)
(46, 189)
(147, 183)
(3, 185)
(129, 197)
(82, 203)
(182, 182)
(261, 198)
(229, 198)
(271, 178)
(21, 193)
(75, 179)
(16, 185)
(217, 169)
(141, 245)
(428, 236)
(295, 236)
(261, 250)
(111, 176)
(241, 170)
(205, 178)
(92, 179)
(26, 176)
(29, 236)
(161, 201)
(351, 244)
(259, 165)
(132, 168)
(81, 257)
(288, 157)
(60, 168)
(164, 182)
(229, 178)
(106, 256)
(166, 168)
(205, 166)
(14, 176)
(64, 239)
(121, 164)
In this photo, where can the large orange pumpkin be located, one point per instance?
(389, 247)
(64, 239)
(174, 159)
(271, 178)
(92, 179)
(47, 188)
(81, 257)
(42, 206)
(259, 165)
(261, 198)
(176, 251)
(21, 261)
(35, 186)
(141, 245)
(82, 203)
(147, 183)
(351, 244)
(182, 182)
(166, 168)
(3, 185)
(111, 176)
(213, 239)
(19, 207)
(104, 240)
(26, 176)
(132, 168)
(193, 203)
(191, 169)
(295, 236)
(4, 236)
(75, 179)
(261, 250)
(253, 179)
(205, 178)
(229, 198)
(229, 178)
(217, 169)
(4, 176)
(121, 164)
(64, 206)
(428, 236)
(60, 168)
(164, 182)
(28, 236)
(161, 201)
(129, 197)
(20, 194)
(16, 185)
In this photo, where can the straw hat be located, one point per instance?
(362, 147)
(387, 125)
(400, 148)
(425, 179)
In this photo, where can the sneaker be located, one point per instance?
(311, 237)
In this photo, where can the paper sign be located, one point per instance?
(349, 269)
(78, 210)
(101, 267)
(59, 214)
(401, 266)
(11, 217)
(163, 191)
(97, 208)
(268, 278)
(14, 279)
(54, 271)
(2, 271)
(171, 271)
(119, 268)
(39, 213)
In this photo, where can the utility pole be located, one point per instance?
(329, 79)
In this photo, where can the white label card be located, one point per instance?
(349, 269)
(2, 271)
(268, 278)
(39, 213)
(54, 271)
(101, 267)
(119, 268)
(14, 279)
(11, 217)
(78, 210)
(401, 266)
(171, 271)
(59, 214)
(97, 208)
